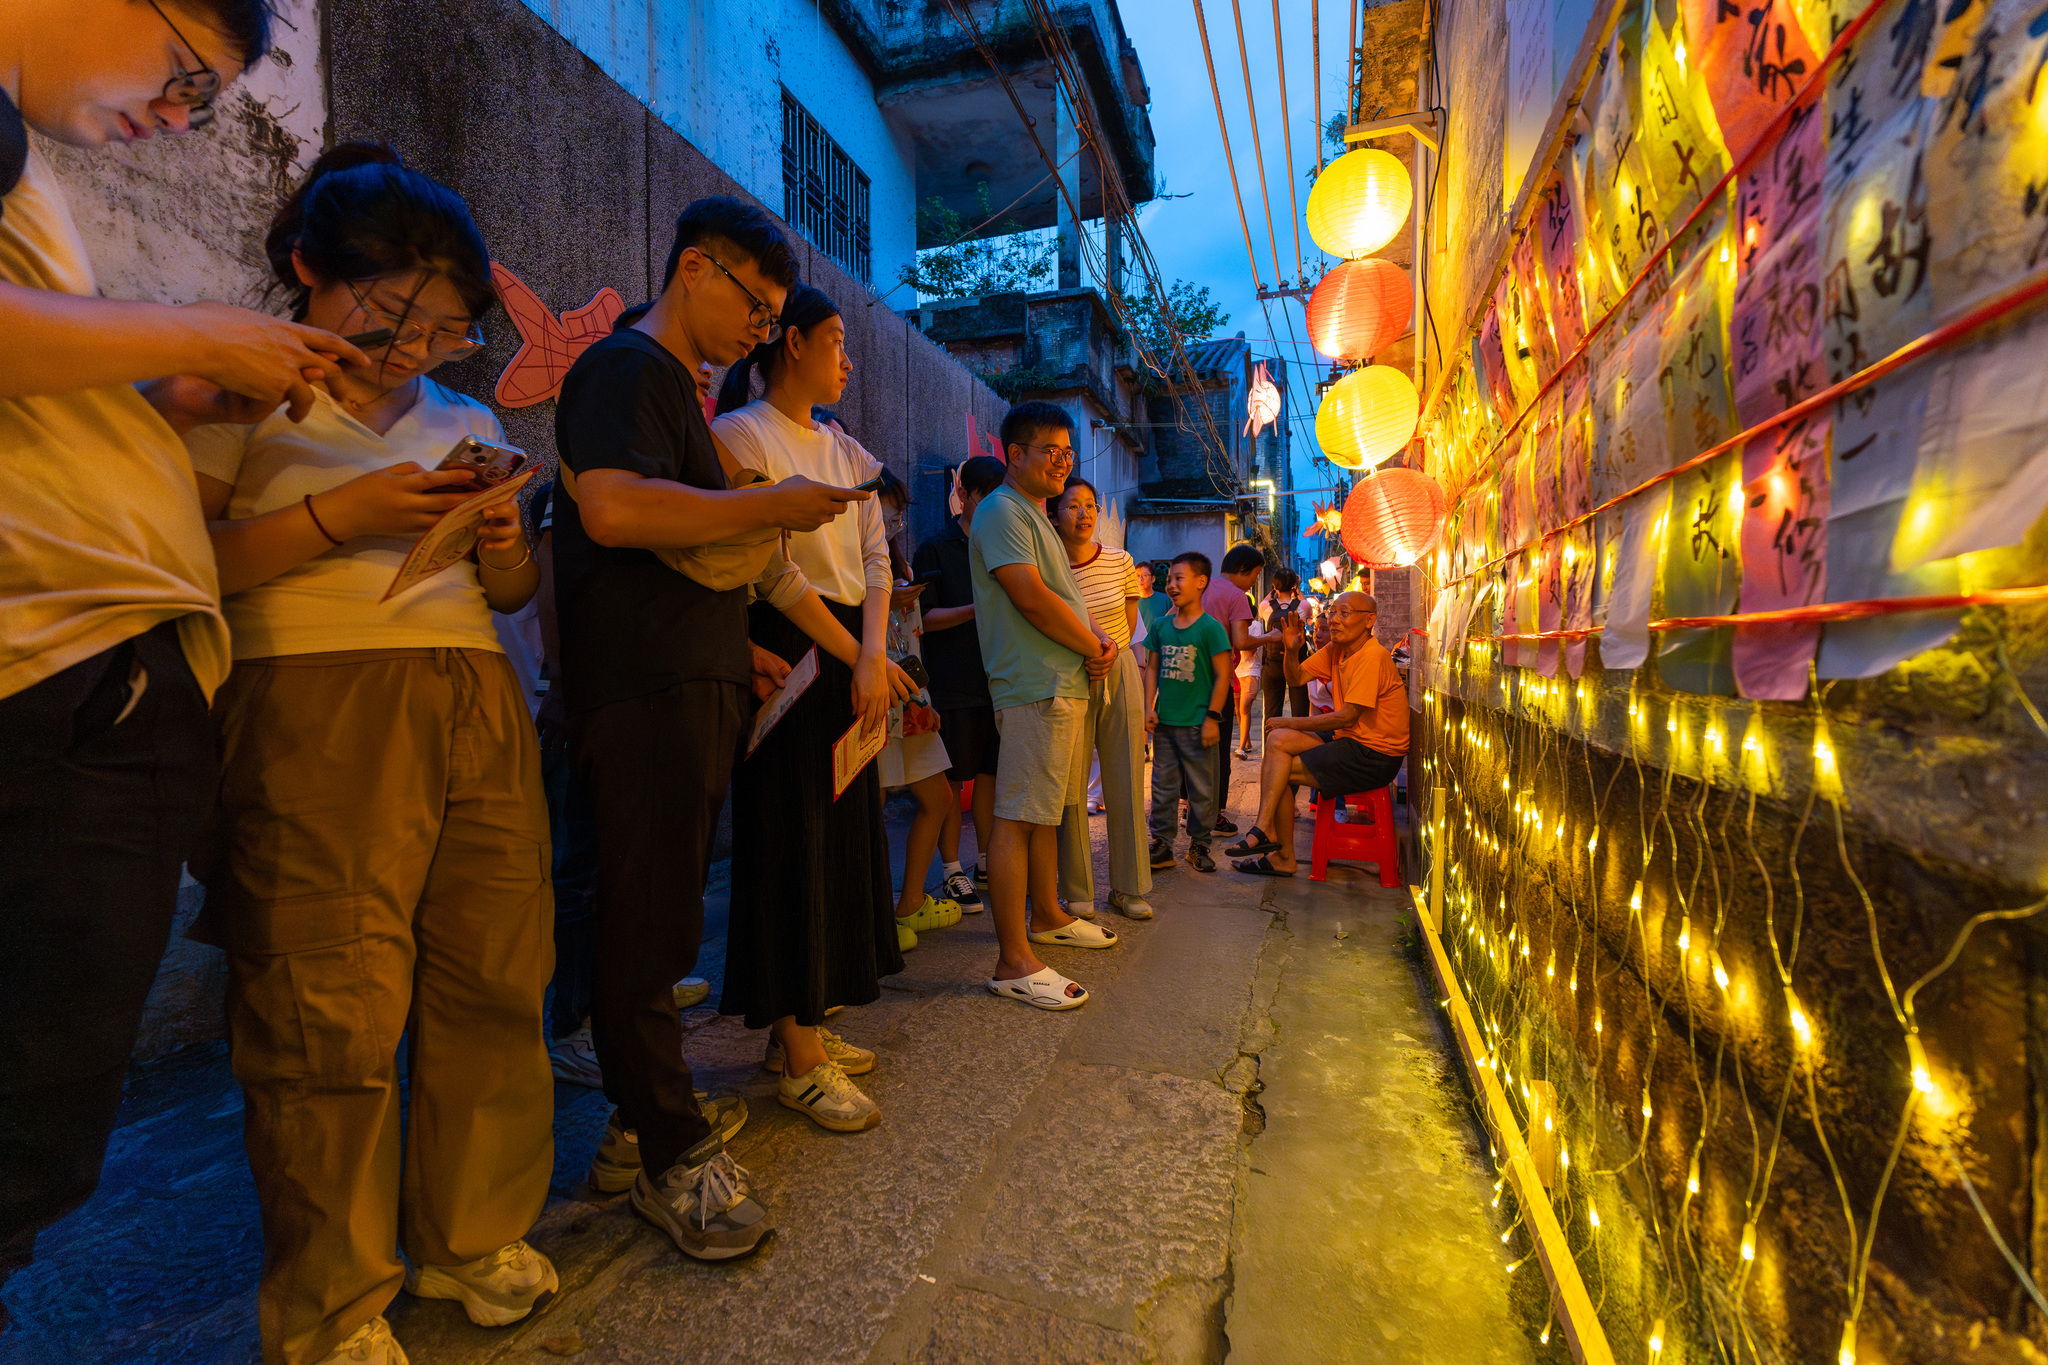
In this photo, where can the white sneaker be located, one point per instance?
(575, 1060)
(370, 1344)
(852, 1060)
(832, 1101)
(494, 1290)
(1130, 907)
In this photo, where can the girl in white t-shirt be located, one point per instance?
(382, 868)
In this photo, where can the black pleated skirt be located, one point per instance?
(813, 921)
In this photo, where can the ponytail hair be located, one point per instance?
(362, 213)
(804, 309)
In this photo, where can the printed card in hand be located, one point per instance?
(453, 536)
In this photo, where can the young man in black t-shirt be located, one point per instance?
(655, 673)
(959, 685)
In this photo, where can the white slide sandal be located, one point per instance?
(1079, 934)
(1045, 988)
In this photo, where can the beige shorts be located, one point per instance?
(1043, 766)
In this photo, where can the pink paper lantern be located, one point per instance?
(1393, 518)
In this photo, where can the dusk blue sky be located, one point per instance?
(1199, 238)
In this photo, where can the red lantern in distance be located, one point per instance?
(1360, 307)
(1393, 518)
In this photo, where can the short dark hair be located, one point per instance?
(743, 232)
(244, 23)
(1286, 580)
(981, 475)
(1243, 558)
(1028, 419)
(1196, 560)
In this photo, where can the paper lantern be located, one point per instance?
(1359, 202)
(1367, 416)
(1393, 518)
(1359, 307)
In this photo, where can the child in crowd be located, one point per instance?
(813, 925)
(1187, 676)
(1116, 717)
(383, 865)
(915, 759)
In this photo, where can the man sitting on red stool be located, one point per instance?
(1356, 747)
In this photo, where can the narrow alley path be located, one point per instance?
(1252, 1144)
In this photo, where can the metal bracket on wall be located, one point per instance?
(1422, 124)
(1299, 292)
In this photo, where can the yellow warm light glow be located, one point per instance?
(1635, 897)
(1846, 1353)
(1657, 1338)
(1916, 1055)
(1692, 1175)
(1593, 1219)
(1749, 1241)
(1359, 202)
(1367, 417)
(1720, 972)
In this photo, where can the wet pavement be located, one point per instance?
(1253, 1144)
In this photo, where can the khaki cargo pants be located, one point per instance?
(382, 867)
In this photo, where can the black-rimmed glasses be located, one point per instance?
(1058, 454)
(762, 315)
(193, 91)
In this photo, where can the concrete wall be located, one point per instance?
(713, 71)
(1163, 537)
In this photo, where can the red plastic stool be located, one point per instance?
(1373, 843)
(967, 796)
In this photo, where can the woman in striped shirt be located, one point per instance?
(1116, 717)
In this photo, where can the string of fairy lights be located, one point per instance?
(1523, 906)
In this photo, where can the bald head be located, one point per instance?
(1352, 615)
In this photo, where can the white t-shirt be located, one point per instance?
(844, 558)
(330, 602)
(1107, 582)
(101, 533)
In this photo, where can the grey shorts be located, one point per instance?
(1042, 767)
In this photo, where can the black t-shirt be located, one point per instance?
(13, 146)
(628, 623)
(953, 656)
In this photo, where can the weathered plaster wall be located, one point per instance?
(713, 71)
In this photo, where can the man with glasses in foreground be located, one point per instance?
(655, 670)
(1040, 650)
(111, 635)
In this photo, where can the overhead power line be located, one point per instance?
(1258, 147)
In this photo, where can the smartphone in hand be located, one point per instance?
(487, 463)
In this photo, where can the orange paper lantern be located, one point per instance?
(1367, 416)
(1359, 202)
(1359, 307)
(1393, 518)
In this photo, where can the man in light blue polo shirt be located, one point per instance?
(1040, 650)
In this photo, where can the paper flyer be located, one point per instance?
(802, 676)
(853, 752)
(453, 536)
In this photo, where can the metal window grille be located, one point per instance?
(823, 193)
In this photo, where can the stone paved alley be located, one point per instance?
(1253, 1145)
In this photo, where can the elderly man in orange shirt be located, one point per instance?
(1356, 747)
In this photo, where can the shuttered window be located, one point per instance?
(824, 195)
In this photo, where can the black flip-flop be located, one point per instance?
(1260, 866)
(1253, 844)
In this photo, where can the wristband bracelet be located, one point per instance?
(318, 525)
(524, 559)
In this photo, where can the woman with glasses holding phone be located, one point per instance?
(382, 861)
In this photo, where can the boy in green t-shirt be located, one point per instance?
(1187, 675)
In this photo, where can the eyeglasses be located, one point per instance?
(193, 91)
(762, 315)
(1058, 454)
(441, 342)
